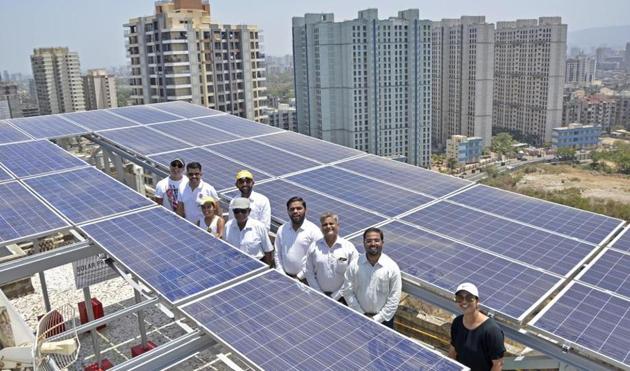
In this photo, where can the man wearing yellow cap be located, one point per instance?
(259, 204)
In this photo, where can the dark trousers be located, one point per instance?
(341, 299)
(389, 323)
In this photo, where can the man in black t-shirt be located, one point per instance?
(476, 339)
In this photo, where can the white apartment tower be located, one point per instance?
(100, 90)
(529, 78)
(180, 54)
(580, 71)
(366, 83)
(463, 74)
(57, 75)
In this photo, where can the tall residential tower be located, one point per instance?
(100, 90)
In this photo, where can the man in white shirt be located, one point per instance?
(261, 209)
(328, 258)
(372, 283)
(188, 205)
(168, 190)
(293, 240)
(247, 234)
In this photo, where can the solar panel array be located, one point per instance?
(622, 242)
(144, 114)
(194, 133)
(312, 148)
(36, 157)
(278, 324)
(99, 120)
(48, 127)
(185, 110)
(609, 271)
(237, 125)
(143, 140)
(9, 134)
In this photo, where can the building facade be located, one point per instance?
(181, 54)
(529, 78)
(597, 109)
(465, 150)
(100, 90)
(10, 103)
(576, 136)
(283, 117)
(57, 75)
(366, 83)
(623, 110)
(463, 74)
(580, 70)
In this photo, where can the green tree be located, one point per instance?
(502, 144)
(566, 153)
(451, 163)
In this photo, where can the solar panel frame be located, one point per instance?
(86, 194)
(99, 120)
(193, 132)
(569, 337)
(609, 271)
(185, 109)
(622, 241)
(9, 134)
(37, 157)
(144, 114)
(48, 127)
(237, 126)
(19, 208)
(4, 175)
(267, 337)
(554, 253)
(143, 141)
(175, 284)
(539, 213)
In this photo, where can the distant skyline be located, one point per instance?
(94, 28)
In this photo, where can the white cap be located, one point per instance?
(240, 203)
(468, 287)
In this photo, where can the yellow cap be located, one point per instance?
(205, 199)
(244, 174)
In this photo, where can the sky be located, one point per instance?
(94, 28)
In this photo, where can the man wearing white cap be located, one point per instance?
(247, 234)
(260, 207)
(476, 339)
(168, 190)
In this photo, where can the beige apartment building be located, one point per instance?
(57, 75)
(100, 90)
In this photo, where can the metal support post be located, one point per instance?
(90, 313)
(141, 327)
(120, 169)
(42, 281)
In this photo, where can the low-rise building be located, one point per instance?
(576, 136)
(464, 149)
(283, 117)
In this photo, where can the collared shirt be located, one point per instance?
(292, 246)
(169, 191)
(326, 266)
(190, 198)
(261, 209)
(373, 289)
(253, 239)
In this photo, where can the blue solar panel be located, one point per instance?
(193, 133)
(279, 324)
(99, 120)
(86, 194)
(622, 242)
(270, 160)
(185, 109)
(9, 134)
(237, 126)
(48, 127)
(24, 215)
(312, 148)
(610, 271)
(143, 140)
(572, 222)
(37, 157)
(218, 171)
(171, 255)
(144, 114)
(405, 175)
(4, 175)
(539, 248)
(506, 287)
(351, 219)
(592, 319)
(361, 191)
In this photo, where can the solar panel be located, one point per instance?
(593, 320)
(86, 194)
(4, 175)
(310, 147)
(352, 219)
(36, 157)
(542, 249)
(237, 126)
(361, 191)
(622, 242)
(99, 120)
(193, 132)
(144, 114)
(507, 287)
(278, 324)
(171, 255)
(51, 126)
(405, 175)
(9, 134)
(270, 160)
(185, 109)
(143, 140)
(584, 225)
(217, 171)
(609, 271)
(23, 215)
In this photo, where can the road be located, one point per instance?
(510, 166)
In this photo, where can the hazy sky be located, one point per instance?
(94, 28)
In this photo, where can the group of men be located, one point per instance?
(320, 258)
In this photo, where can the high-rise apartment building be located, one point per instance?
(10, 104)
(57, 75)
(529, 77)
(100, 90)
(580, 70)
(366, 83)
(463, 73)
(180, 54)
(283, 117)
(626, 57)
